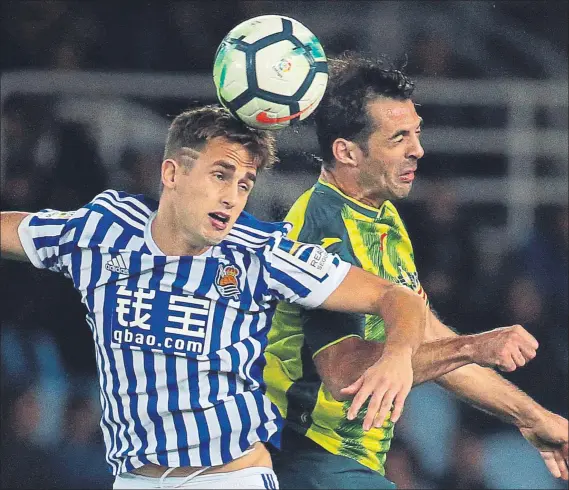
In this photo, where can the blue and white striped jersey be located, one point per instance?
(179, 341)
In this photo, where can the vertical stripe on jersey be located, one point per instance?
(273, 424)
(130, 359)
(81, 270)
(118, 363)
(153, 368)
(152, 406)
(174, 426)
(203, 431)
(117, 375)
(245, 419)
(207, 278)
(105, 426)
(166, 440)
(96, 300)
(146, 436)
(225, 424)
(175, 370)
(175, 365)
(217, 383)
(254, 415)
(130, 362)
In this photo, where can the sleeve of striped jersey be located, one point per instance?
(47, 238)
(303, 273)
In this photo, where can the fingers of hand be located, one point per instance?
(353, 388)
(518, 358)
(399, 404)
(519, 347)
(506, 363)
(377, 422)
(561, 464)
(514, 354)
(378, 407)
(528, 338)
(551, 464)
(527, 351)
(359, 400)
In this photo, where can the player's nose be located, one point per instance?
(416, 150)
(230, 196)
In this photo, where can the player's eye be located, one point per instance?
(219, 176)
(245, 187)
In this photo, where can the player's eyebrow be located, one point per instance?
(405, 131)
(232, 167)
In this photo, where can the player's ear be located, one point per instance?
(168, 173)
(345, 151)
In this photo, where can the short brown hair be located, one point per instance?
(194, 127)
(354, 80)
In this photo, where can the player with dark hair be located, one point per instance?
(180, 294)
(369, 135)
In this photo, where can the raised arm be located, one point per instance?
(10, 245)
(487, 390)
(461, 364)
(404, 313)
(342, 363)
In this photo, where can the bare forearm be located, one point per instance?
(405, 315)
(10, 245)
(341, 364)
(436, 358)
(485, 389)
(482, 387)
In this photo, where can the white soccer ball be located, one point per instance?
(270, 72)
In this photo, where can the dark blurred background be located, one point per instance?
(87, 91)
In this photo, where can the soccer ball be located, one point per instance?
(270, 72)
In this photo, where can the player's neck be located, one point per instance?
(169, 238)
(350, 187)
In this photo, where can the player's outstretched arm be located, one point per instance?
(485, 389)
(389, 380)
(342, 363)
(10, 245)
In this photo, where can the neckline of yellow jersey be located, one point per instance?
(362, 208)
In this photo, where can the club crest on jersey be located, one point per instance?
(226, 281)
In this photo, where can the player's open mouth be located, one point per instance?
(407, 176)
(219, 220)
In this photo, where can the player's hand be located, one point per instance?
(505, 348)
(388, 381)
(549, 435)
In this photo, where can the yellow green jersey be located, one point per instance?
(375, 240)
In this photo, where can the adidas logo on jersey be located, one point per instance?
(117, 264)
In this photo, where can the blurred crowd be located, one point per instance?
(60, 151)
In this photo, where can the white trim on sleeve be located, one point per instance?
(317, 297)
